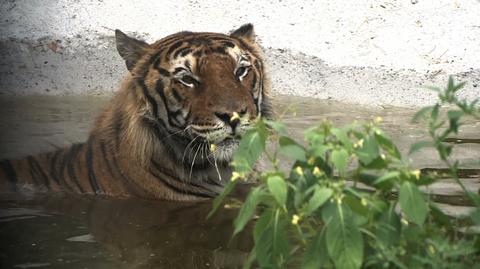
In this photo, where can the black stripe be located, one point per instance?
(176, 188)
(34, 175)
(198, 53)
(176, 95)
(105, 157)
(134, 188)
(182, 52)
(188, 65)
(117, 127)
(159, 89)
(199, 41)
(245, 46)
(254, 81)
(228, 44)
(71, 156)
(53, 163)
(173, 37)
(220, 50)
(217, 37)
(156, 59)
(150, 99)
(91, 173)
(163, 72)
(10, 172)
(35, 167)
(63, 166)
(178, 70)
(174, 47)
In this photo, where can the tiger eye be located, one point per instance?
(188, 80)
(241, 72)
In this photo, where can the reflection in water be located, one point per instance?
(110, 233)
(92, 232)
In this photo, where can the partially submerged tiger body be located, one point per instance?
(183, 93)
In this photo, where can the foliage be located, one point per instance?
(351, 200)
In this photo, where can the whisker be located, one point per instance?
(177, 132)
(193, 162)
(216, 168)
(207, 153)
(186, 148)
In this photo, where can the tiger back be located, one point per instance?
(182, 94)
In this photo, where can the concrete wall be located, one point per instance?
(362, 51)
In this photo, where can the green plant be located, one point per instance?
(351, 200)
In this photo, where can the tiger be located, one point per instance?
(170, 131)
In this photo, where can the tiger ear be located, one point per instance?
(245, 32)
(129, 48)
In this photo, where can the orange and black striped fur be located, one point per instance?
(182, 94)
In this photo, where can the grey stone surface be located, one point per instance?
(364, 52)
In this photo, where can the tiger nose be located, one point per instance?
(230, 118)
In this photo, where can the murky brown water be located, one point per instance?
(88, 232)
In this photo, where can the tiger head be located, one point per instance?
(199, 88)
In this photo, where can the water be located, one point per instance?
(87, 232)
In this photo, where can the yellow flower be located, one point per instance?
(311, 161)
(234, 117)
(317, 172)
(404, 221)
(364, 202)
(383, 156)
(299, 170)
(378, 119)
(295, 219)
(359, 144)
(416, 173)
(235, 176)
(213, 147)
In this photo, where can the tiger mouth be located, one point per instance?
(225, 149)
(228, 142)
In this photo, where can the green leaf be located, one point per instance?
(250, 259)
(340, 159)
(419, 145)
(280, 239)
(248, 209)
(262, 224)
(388, 145)
(361, 211)
(219, 199)
(454, 117)
(319, 197)
(344, 240)
(316, 255)
(475, 216)
(389, 227)
(451, 83)
(278, 188)
(250, 148)
(387, 178)
(458, 86)
(412, 203)
(277, 126)
(421, 113)
(319, 150)
(369, 150)
(342, 136)
(434, 113)
(454, 114)
(292, 149)
(263, 248)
